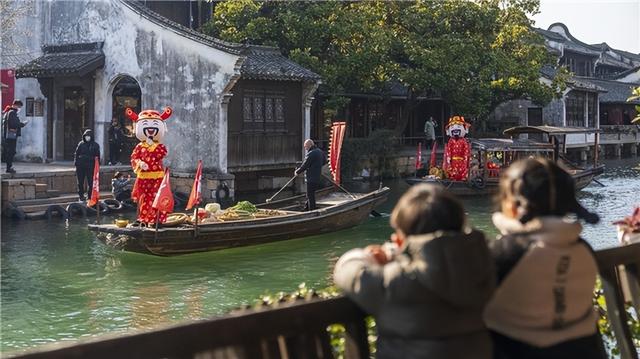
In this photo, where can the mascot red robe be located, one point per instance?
(146, 161)
(457, 151)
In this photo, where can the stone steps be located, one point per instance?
(33, 206)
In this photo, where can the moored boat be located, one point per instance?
(490, 156)
(336, 210)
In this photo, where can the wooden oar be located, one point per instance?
(283, 187)
(373, 212)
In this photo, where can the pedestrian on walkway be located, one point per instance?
(11, 130)
(429, 132)
(116, 140)
(86, 152)
(312, 166)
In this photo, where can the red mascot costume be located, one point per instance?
(146, 161)
(457, 150)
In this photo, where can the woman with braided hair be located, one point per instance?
(546, 273)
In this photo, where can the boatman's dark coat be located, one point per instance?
(313, 162)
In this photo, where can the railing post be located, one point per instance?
(632, 272)
(616, 311)
(356, 344)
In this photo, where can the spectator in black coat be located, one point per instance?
(11, 129)
(312, 166)
(116, 139)
(86, 152)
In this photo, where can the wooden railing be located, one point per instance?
(299, 329)
(617, 134)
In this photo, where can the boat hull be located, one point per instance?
(217, 236)
(582, 179)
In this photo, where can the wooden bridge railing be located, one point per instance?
(299, 329)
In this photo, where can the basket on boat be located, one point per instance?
(175, 219)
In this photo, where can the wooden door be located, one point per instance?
(534, 118)
(75, 119)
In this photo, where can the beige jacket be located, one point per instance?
(546, 277)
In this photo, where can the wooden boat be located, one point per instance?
(490, 156)
(336, 211)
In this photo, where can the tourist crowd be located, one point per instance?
(441, 290)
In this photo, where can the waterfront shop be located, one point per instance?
(602, 80)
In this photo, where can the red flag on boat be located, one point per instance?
(95, 188)
(196, 191)
(419, 156)
(432, 160)
(335, 146)
(164, 198)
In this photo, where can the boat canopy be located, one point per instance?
(550, 130)
(506, 144)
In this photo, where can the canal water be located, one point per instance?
(59, 283)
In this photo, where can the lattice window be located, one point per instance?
(247, 113)
(575, 108)
(591, 109)
(263, 110)
(257, 109)
(268, 109)
(279, 110)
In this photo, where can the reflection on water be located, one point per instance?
(59, 283)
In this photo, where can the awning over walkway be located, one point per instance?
(64, 60)
(551, 130)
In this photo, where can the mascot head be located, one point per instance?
(150, 124)
(457, 127)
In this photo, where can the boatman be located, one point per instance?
(312, 166)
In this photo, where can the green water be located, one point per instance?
(59, 283)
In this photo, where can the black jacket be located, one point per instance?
(116, 134)
(12, 122)
(313, 162)
(86, 151)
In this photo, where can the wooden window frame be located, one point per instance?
(29, 106)
(263, 114)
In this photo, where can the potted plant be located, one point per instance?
(629, 228)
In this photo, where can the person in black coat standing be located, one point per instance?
(116, 139)
(86, 152)
(11, 129)
(312, 166)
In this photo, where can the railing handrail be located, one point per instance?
(300, 326)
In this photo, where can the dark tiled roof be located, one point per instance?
(552, 35)
(573, 44)
(260, 62)
(76, 59)
(266, 63)
(636, 57)
(620, 75)
(617, 92)
(609, 60)
(156, 18)
(574, 82)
